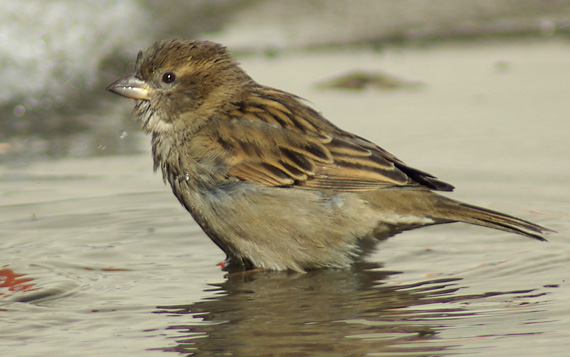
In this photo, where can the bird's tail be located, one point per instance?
(463, 212)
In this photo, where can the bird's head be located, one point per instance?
(180, 84)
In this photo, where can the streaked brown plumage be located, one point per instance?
(272, 182)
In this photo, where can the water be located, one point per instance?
(99, 258)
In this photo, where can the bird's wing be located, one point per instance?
(271, 155)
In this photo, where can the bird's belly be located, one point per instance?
(284, 228)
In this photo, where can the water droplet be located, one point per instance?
(124, 134)
(19, 110)
(187, 177)
(59, 100)
(46, 103)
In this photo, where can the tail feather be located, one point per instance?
(423, 204)
(463, 212)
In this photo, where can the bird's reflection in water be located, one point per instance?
(337, 312)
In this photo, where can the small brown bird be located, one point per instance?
(273, 183)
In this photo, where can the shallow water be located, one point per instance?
(99, 258)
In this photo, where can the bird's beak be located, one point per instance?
(131, 87)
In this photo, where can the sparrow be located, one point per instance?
(271, 181)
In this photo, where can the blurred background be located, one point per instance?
(57, 56)
(97, 257)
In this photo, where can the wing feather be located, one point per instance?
(275, 144)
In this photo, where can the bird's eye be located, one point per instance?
(168, 77)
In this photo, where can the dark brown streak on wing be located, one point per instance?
(263, 173)
(299, 160)
(418, 176)
(314, 154)
(290, 112)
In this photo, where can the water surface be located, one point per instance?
(98, 257)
